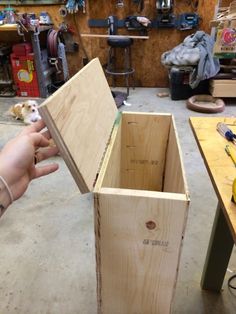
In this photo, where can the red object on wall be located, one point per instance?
(22, 49)
(24, 73)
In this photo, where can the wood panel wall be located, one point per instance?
(149, 72)
(225, 3)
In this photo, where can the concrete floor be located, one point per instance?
(47, 262)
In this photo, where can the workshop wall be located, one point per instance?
(225, 3)
(149, 72)
(146, 54)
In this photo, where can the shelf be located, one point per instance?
(8, 27)
(14, 27)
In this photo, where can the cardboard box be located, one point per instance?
(132, 163)
(225, 45)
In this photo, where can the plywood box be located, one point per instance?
(132, 163)
(223, 88)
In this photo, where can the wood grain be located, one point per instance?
(144, 144)
(81, 115)
(139, 239)
(220, 82)
(174, 177)
(223, 88)
(219, 165)
(111, 176)
(137, 156)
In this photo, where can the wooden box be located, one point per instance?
(134, 168)
(223, 88)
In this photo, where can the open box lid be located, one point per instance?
(80, 116)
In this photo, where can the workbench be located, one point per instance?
(34, 37)
(222, 172)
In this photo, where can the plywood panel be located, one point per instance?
(138, 247)
(174, 180)
(80, 116)
(144, 144)
(225, 3)
(112, 161)
(206, 10)
(223, 88)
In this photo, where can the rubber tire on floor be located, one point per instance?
(205, 104)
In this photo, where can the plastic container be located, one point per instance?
(25, 76)
(22, 49)
(179, 85)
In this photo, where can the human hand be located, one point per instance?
(17, 158)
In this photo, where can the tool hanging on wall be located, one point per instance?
(165, 16)
(62, 58)
(164, 6)
(138, 23)
(57, 55)
(67, 37)
(73, 6)
(63, 11)
(187, 21)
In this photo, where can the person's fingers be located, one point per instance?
(45, 170)
(35, 127)
(38, 140)
(46, 153)
(46, 134)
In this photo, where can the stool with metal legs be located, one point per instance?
(121, 44)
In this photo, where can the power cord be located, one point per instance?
(229, 282)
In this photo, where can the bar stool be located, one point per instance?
(123, 44)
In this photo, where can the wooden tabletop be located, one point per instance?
(219, 165)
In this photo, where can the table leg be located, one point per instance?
(218, 254)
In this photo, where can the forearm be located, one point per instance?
(6, 197)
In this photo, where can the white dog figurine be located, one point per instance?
(26, 111)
